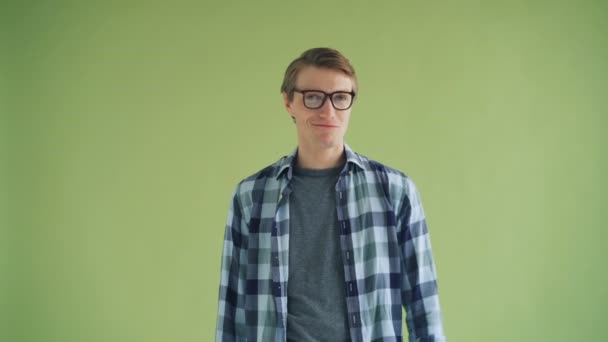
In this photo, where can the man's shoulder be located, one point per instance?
(399, 183)
(369, 164)
(259, 179)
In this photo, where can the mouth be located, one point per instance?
(325, 125)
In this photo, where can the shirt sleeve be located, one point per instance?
(231, 315)
(418, 274)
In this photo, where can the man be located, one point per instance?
(326, 244)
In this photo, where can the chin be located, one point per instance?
(330, 143)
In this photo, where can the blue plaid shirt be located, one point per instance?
(386, 251)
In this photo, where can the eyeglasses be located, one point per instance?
(314, 99)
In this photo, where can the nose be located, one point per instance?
(327, 109)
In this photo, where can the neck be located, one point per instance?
(320, 158)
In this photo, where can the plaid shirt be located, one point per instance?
(386, 252)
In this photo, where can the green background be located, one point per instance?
(125, 126)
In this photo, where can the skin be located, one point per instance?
(320, 131)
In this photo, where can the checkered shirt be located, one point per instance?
(386, 253)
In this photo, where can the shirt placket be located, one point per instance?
(279, 291)
(346, 243)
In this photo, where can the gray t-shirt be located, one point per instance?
(316, 296)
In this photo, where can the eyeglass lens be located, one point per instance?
(315, 99)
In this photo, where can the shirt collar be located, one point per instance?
(286, 164)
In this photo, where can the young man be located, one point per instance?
(326, 244)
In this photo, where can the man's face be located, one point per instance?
(323, 127)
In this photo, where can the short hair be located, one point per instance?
(322, 57)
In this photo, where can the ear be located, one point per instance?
(288, 105)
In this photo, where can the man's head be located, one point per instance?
(326, 58)
(318, 90)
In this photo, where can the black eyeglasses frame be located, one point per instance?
(325, 97)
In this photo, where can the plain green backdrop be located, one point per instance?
(125, 127)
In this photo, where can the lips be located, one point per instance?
(325, 125)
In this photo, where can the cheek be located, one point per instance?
(345, 118)
(303, 119)
(304, 115)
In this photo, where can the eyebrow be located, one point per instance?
(322, 91)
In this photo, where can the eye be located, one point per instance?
(340, 97)
(314, 97)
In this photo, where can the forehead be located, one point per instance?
(326, 79)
